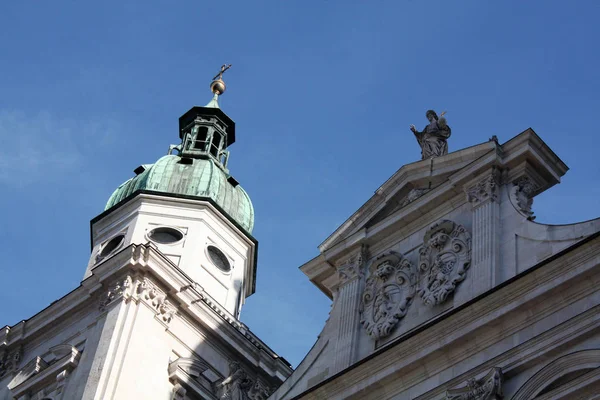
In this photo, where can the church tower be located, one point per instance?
(157, 313)
(190, 208)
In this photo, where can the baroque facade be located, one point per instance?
(443, 287)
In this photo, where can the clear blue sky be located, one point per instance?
(322, 93)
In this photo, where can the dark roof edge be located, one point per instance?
(187, 197)
(450, 313)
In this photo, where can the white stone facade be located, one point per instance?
(443, 287)
(149, 321)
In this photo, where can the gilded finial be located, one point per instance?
(217, 86)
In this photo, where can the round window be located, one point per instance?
(111, 245)
(218, 259)
(165, 235)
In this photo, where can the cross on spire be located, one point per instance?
(224, 68)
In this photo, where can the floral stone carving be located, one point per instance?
(443, 261)
(389, 291)
(486, 189)
(487, 388)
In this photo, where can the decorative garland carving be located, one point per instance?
(389, 291)
(487, 388)
(443, 261)
(521, 196)
(486, 189)
(156, 299)
(145, 291)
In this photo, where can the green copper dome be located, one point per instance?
(201, 177)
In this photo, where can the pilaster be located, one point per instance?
(484, 198)
(348, 297)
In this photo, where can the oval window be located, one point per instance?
(165, 235)
(218, 259)
(111, 245)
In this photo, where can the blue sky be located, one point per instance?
(322, 93)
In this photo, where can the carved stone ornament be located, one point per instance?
(240, 386)
(521, 196)
(443, 261)
(413, 195)
(389, 291)
(139, 289)
(9, 361)
(353, 268)
(118, 289)
(486, 189)
(156, 299)
(487, 388)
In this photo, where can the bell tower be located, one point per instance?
(157, 313)
(189, 206)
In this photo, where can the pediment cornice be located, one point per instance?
(440, 185)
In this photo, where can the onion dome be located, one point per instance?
(200, 167)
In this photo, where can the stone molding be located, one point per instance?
(41, 377)
(388, 293)
(484, 190)
(487, 388)
(183, 373)
(579, 360)
(443, 261)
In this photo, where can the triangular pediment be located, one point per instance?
(429, 189)
(409, 183)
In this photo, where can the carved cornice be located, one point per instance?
(487, 388)
(484, 190)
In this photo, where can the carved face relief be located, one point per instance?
(389, 291)
(443, 261)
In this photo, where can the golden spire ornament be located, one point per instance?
(217, 86)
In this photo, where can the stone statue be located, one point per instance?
(237, 385)
(433, 138)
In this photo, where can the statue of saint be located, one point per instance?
(433, 138)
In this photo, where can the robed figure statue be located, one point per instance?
(433, 138)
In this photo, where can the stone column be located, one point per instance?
(483, 197)
(348, 298)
